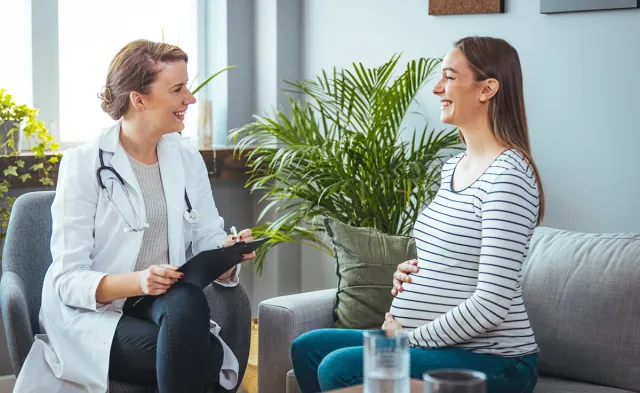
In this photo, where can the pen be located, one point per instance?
(234, 232)
(137, 301)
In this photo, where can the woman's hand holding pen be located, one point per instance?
(242, 236)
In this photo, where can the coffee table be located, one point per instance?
(417, 386)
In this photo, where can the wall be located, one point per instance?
(581, 85)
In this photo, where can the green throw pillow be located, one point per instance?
(366, 260)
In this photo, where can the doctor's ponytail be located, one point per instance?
(134, 68)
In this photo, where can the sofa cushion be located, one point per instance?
(555, 385)
(366, 260)
(582, 293)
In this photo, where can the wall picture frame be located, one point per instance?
(462, 7)
(562, 6)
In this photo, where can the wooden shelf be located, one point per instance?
(224, 167)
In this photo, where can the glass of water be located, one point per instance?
(386, 361)
(454, 381)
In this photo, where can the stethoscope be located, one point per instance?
(191, 215)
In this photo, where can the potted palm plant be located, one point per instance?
(340, 153)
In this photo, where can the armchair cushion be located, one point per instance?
(15, 316)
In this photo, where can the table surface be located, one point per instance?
(417, 386)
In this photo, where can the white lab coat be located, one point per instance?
(88, 242)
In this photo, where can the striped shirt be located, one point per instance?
(471, 245)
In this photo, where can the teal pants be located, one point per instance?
(329, 359)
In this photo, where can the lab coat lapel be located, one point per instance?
(119, 160)
(173, 182)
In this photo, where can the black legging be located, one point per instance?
(167, 343)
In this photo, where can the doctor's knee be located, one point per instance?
(185, 300)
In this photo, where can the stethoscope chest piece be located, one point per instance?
(192, 216)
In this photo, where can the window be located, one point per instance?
(90, 33)
(15, 64)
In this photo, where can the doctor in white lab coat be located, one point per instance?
(96, 241)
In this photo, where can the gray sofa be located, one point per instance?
(25, 259)
(582, 292)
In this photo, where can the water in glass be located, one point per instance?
(386, 362)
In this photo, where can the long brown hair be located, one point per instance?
(134, 68)
(495, 58)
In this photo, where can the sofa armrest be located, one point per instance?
(15, 316)
(280, 321)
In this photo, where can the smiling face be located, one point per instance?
(462, 98)
(165, 106)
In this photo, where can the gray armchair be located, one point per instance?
(26, 257)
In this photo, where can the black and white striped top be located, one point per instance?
(471, 246)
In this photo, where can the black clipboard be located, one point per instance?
(205, 267)
(208, 265)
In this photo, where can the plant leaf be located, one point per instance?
(11, 171)
(46, 181)
(37, 166)
(204, 83)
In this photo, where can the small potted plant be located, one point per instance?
(17, 121)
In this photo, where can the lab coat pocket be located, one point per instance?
(61, 316)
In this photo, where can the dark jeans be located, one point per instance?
(328, 359)
(167, 343)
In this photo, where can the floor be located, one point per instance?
(7, 382)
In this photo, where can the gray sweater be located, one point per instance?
(155, 241)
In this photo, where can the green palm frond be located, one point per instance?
(339, 153)
(204, 83)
